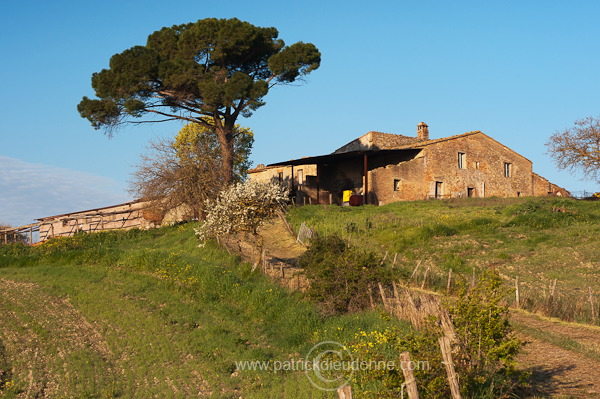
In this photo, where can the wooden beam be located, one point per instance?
(366, 177)
(345, 392)
(409, 377)
(318, 168)
(25, 227)
(452, 376)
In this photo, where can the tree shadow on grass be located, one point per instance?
(546, 381)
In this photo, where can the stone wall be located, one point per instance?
(397, 177)
(542, 186)
(467, 165)
(436, 172)
(488, 168)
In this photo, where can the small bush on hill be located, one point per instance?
(243, 207)
(341, 276)
(437, 230)
(485, 340)
(548, 214)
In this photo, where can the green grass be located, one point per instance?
(521, 237)
(143, 314)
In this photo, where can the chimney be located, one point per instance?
(422, 131)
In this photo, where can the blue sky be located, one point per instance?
(516, 70)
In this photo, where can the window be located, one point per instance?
(300, 176)
(397, 184)
(280, 177)
(477, 165)
(461, 160)
(507, 169)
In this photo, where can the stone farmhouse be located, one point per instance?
(385, 168)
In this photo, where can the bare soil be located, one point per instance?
(280, 244)
(556, 371)
(40, 333)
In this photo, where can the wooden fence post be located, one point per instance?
(517, 296)
(396, 294)
(345, 392)
(384, 258)
(409, 377)
(447, 356)
(449, 280)
(383, 298)
(592, 304)
(425, 278)
(415, 271)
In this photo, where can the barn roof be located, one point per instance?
(89, 210)
(322, 159)
(413, 145)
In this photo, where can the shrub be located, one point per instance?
(548, 214)
(486, 343)
(428, 232)
(341, 276)
(483, 350)
(243, 207)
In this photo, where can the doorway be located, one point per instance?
(439, 189)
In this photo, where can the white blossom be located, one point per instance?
(243, 207)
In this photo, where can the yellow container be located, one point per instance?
(346, 194)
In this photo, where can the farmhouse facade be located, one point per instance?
(384, 168)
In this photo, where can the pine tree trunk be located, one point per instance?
(225, 135)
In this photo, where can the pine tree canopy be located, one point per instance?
(216, 68)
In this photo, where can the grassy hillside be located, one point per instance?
(144, 314)
(537, 240)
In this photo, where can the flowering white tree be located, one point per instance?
(242, 208)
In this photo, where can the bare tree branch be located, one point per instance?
(578, 148)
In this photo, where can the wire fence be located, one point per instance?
(585, 194)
